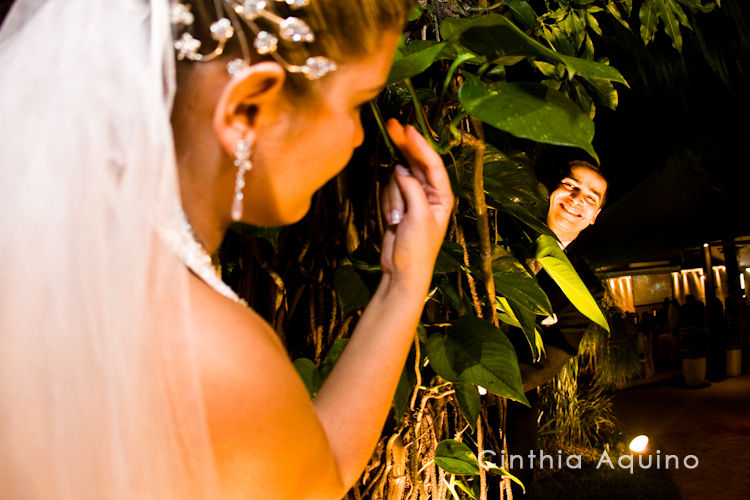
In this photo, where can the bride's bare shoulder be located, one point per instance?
(219, 320)
(257, 408)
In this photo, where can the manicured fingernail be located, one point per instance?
(401, 170)
(395, 216)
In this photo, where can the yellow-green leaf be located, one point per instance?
(557, 265)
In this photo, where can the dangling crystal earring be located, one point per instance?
(243, 164)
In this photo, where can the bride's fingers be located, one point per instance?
(393, 202)
(427, 166)
(426, 157)
(413, 194)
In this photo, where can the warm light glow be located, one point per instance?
(742, 281)
(639, 444)
(705, 245)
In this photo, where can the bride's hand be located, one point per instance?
(417, 206)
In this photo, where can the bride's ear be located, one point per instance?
(256, 87)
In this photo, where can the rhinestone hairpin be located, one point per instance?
(291, 29)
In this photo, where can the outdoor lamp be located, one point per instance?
(639, 444)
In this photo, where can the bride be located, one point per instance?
(127, 368)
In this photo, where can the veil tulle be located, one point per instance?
(99, 395)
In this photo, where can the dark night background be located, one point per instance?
(677, 149)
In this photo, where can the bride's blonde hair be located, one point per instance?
(344, 30)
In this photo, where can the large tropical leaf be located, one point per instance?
(557, 265)
(514, 282)
(511, 177)
(457, 458)
(469, 401)
(351, 291)
(414, 57)
(505, 313)
(530, 111)
(474, 351)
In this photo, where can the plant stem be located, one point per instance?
(421, 118)
(381, 125)
(453, 127)
(446, 83)
(480, 450)
(483, 226)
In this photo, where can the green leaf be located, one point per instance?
(592, 69)
(699, 5)
(523, 13)
(530, 111)
(469, 402)
(466, 489)
(422, 333)
(557, 265)
(514, 282)
(556, 71)
(474, 351)
(503, 472)
(450, 258)
(309, 374)
(671, 24)
(587, 52)
(404, 389)
(578, 29)
(593, 23)
(522, 214)
(351, 291)
(510, 177)
(604, 91)
(495, 36)
(412, 58)
(505, 312)
(527, 319)
(649, 21)
(449, 292)
(612, 9)
(332, 357)
(679, 13)
(456, 458)
(582, 98)
(415, 13)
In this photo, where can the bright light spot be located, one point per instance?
(705, 245)
(742, 281)
(482, 391)
(639, 444)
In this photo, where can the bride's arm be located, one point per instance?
(354, 402)
(269, 439)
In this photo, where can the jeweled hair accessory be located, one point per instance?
(290, 29)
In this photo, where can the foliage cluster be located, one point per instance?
(486, 85)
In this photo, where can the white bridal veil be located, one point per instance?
(98, 392)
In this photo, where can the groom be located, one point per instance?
(574, 205)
